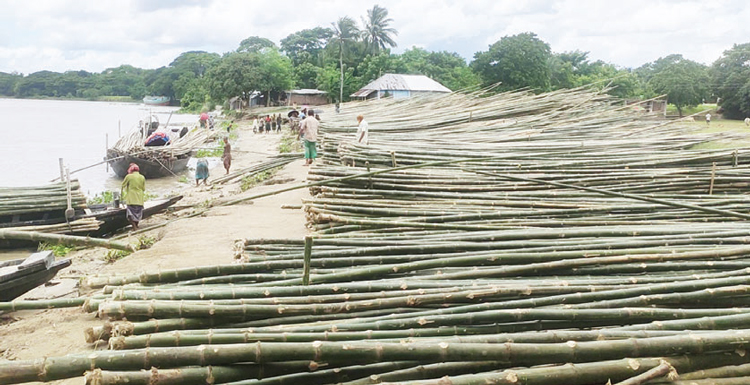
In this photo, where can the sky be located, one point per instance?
(63, 35)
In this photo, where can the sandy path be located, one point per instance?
(203, 240)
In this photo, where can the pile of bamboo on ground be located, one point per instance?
(275, 162)
(48, 198)
(133, 144)
(561, 239)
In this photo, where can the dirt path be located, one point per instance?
(204, 240)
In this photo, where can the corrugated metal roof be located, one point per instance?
(306, 91)
(396, 82)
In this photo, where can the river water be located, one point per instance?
(34, 134)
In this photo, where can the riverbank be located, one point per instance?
(202, 240)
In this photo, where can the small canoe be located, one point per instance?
(21, 275)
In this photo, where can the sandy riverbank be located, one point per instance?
(204, 240)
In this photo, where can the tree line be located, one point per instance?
(344, 56)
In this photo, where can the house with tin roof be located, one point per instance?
(400, 86)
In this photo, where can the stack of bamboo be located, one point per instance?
(39, 199)
(527, 239)
(133, 144)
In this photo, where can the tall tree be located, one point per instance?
(345, 31)
(306, 45)
(730, 81)
(255, 44)
(515, 62)
(376, 34)
(684, 81)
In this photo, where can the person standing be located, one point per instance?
(226, 158)
(133, 194)
(309, 132)
(708, 118)
(268, 123)
(363, 131)
(201, 172)
(278, 122)
(255, 125)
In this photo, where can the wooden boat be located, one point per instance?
(108, 218)
(150, 167)
(156, 161)
(156, 100)
(21, 275)
(113, 219)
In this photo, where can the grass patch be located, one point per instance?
(183, 179)
(672, 110)
(113, 256)
(723, 125)
(102, 197)
(251, 181)
(58, 250)
(145, 242)
(289, 143)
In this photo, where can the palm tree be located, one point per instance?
(376, 34)
(344, 31)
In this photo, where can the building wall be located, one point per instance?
(310, 100)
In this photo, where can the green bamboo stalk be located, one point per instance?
(663, 369)
(64, 239)
(515, 354)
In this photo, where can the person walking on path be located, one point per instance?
(201, 172)
(309, 131)
(133, 194)
(363, 136)
(227, 156)
(708, 118)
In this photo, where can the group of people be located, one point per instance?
(201, 169)
(134, 184)
(308, 132)
(267, 124)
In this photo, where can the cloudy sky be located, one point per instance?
(60, 35)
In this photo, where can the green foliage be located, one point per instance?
(251, 181)
(329, 81)
(58, 250)
(145, 242)
(685, 82)
(730, 81)
(306, 46)
(447, 68)
(102, 197)
(255, 44)
(242, 73)
(113, 256)
(515, 62)
(376, 33)
(345, 33)
(306, 75)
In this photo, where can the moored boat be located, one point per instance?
(21, 275)
(159, 151)
(156, 100)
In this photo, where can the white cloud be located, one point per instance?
(61, 35)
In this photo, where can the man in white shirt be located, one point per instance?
(362, 131)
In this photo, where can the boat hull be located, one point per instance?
(149, 168)
(20, 276)
(110, 219)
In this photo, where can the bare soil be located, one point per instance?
(207, 239)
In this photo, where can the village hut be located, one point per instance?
(399, 86)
